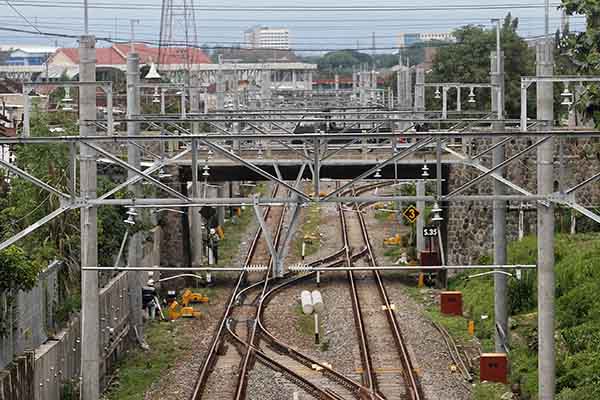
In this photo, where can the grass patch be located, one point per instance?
(139, 369)
(393, 253)
(488, 391)
(306, 326)
(577, 269)
(309, 232)
(234, 232)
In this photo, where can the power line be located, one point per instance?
(218, 47)
(145, 6)
(22, 16)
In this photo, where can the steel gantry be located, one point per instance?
(223, 132)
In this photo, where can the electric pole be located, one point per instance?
(545, 228)
(499, 210)
(90, 315)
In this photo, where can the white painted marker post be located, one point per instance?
(316, 328)
(303, 251)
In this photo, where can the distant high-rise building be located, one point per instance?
(262, 37)
(408, 39)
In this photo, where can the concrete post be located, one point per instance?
(196, 243)
(134, 248)
(444, 103)
(499, 211)
(420, 91)
(421, 217)
(545, 233)
(408, 88)
(221, 210)
(266, 87)
(220, 88)
(399, 88)
(90, 317)
(310, 83)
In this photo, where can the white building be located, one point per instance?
(408, 39)
(27, 54)
(262, 37)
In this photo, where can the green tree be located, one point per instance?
(468, 61)
(583, 49)
(22, 203)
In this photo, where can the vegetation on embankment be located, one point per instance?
(140, 369)
(577, 315)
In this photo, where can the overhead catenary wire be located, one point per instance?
(22, 16)
(349, 8)
(219, 47)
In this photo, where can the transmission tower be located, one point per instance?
(175, 16)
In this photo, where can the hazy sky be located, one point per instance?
(220, 23)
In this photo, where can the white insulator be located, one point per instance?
(317, 301)
(307, 305)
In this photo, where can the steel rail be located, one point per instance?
(369, 376)
(245, 364)
(210, 359)
(273, 364)
(359, 391)
(414, 387)
(453, 351)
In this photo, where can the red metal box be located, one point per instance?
(430, 259)
(493, 367)
(451, 303)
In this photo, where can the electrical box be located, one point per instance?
(493, 367)
(430, 258)
(451, 303)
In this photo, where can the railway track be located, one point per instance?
(412, 387)
(218, 341)
(244, 338)
(381, 378)
(242, 320)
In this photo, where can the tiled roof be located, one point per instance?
(104, 55)
(169, 55)
(117, 54)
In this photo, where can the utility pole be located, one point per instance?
(419, 92)
(132, 23)
(134, 249)
(220, 86)
(547, 18)
(90, 315)
(86, 23)
(197, 244)
(499, 210)
(545, 228)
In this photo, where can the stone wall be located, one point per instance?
(470, 227)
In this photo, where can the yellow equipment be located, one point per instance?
(176, 312)
(393, 241)
(184, 310)
(189, 298)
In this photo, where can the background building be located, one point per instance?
(262, 37)
(26, 54)
(408, 39)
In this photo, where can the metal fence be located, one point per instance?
(57, 358)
